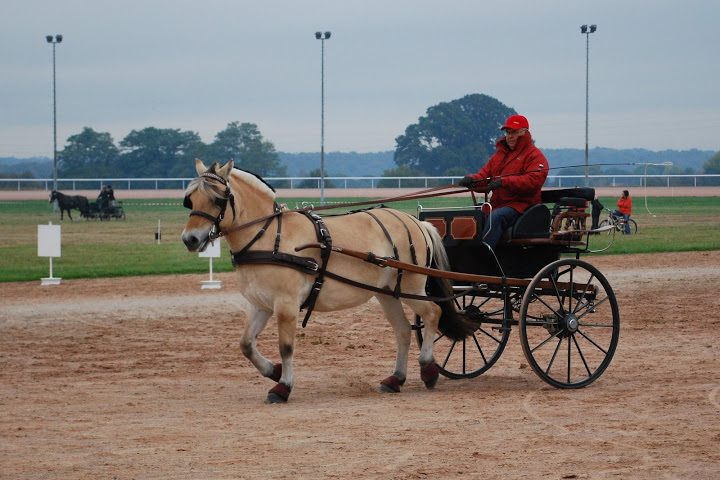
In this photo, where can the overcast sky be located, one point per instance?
(199, 65)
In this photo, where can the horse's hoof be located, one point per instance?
(430, 375)
(278, 394)
(273, 398)
(391, 385)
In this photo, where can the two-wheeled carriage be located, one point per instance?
(565, 309)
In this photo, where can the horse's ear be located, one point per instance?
(225, 170)
(200, 166)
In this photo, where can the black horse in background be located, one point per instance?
(67, 202)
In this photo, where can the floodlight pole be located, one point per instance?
(587, 31)
(322, 37)
(54, 40)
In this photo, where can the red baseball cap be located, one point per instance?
(516, 122)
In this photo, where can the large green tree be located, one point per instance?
(243, 143)
(461, 133)
(155, 152)
(89, 154)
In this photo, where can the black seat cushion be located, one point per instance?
(534, 223)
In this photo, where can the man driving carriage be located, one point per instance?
(515, 174)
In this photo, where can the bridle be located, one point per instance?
(220, 202)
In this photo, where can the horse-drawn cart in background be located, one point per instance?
(565, 309)
(105, 211)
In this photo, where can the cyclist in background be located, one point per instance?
(625, 209)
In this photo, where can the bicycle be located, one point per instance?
(619, 222)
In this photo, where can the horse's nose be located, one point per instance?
(191, 241)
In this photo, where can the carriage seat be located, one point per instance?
(536, 221)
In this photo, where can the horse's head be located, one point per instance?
(208, 197)
(53, 196)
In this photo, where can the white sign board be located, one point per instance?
(212, 250)
(48, 240)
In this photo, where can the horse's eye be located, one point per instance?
(187, 203)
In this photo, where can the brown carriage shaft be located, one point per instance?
(434, 272)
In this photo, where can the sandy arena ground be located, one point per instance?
(142, 378)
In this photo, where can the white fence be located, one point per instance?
(358, 182)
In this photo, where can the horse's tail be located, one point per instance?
(451, 324)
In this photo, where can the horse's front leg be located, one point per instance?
(287, 324)
(248, 343)
(394, 313)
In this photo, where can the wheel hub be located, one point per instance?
(571, 322)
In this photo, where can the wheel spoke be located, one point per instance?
(569, 357)
(582, 357)
(477, 344)
(447, 357)
(552, 359)
(592, 341)
(554, 335)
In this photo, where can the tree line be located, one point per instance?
(452, 139)
(165, 152)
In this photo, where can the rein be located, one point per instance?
(430, 192)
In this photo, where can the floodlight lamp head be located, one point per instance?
(593, 28)
(318, 35)
(58, 38)
(583, 29)
(49, 38)
(327, 35)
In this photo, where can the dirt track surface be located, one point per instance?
(137, 378)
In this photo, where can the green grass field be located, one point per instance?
(92, 249)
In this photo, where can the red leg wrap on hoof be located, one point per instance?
(278, 394)
(277, 372)
(392, 384)
(430, 375)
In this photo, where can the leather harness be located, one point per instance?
(308, 265)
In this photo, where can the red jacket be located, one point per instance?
(518, 191)
(625, 205)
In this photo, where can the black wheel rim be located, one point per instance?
(569, 323)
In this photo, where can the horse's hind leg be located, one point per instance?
(430, 313)
(394, 313)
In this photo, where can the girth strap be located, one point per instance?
(396, 255)
(323, 236)
(306, 265)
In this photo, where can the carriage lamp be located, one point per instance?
(57, 39)
(587, 31)
(322, 37)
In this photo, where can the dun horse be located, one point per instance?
(276, 280)
(67, 202)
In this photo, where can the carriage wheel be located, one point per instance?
(569, 323)
(475, 354)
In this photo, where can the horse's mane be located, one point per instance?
(256, 176)
(210, 188)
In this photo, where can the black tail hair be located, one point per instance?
(452, 324)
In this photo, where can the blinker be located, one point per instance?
(187, 203)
